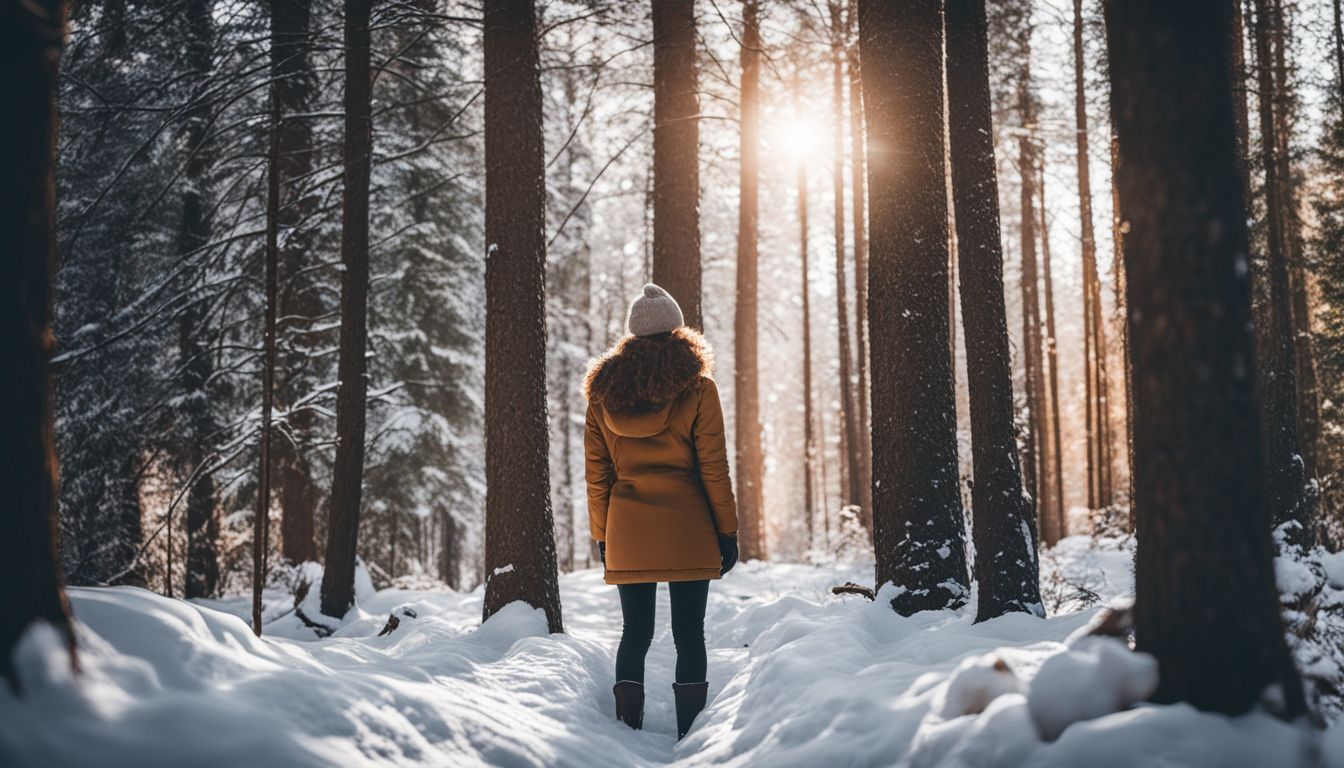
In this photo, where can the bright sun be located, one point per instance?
(798, 136)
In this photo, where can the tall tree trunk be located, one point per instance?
(1240, 112)
(519, 531)
(1337, 36)
(202, 561)
(338, 580)
(1286, 487)
(858, 173)
(676, 156)
(1121, 283)
(1093, 351)
(31, 37)
(1204, 548)
(1056, 492)
(915, 471)
(1004, 529)
(1037, 442)
(261, 517)
(1308, 406)
(450, 552)
(849, 438)
(298, 299)
(750, 458)
(810, 449)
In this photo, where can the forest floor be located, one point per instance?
(797, 676)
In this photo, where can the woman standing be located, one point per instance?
(660, 501)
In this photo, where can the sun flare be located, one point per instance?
(799, 136)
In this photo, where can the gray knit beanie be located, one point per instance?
(654, 312)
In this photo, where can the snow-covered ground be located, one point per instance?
(798, 677)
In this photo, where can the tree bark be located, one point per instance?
(676, 156)
(858, 194)
(31, 39)
(1308, 406)
(810, 450)
(1337, 36)
(1037, 439)
(918, 527)
(849, 438)
(338, 580)
(1056, 494)
(1122, 309)
(197, 369)
(1286, 482)
(1094, 351)
(299, 302)
(261, 517)
(1204, 567)
(519, 531)
(1240, 111)
(1004, 529)
(750, 458)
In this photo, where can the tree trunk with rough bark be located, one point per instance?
(750, 458)
(1204, 567)
(298, 301)
(810, 450)
(1294, 247)
(197, 368)
(849, 438)
(31, 38)
(859, 198)
(918, 526)
(1006, 567)
(519, 530)
(1277, 359)
(1038, 435)
(338, 580)
(1056, 492)
(676, 156)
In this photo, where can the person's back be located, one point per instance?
(660, 501)
(669, 496)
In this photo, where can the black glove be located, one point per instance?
(728, 551)
(602, 552)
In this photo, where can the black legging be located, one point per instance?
(688, 629)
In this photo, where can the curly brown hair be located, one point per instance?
(641, 374)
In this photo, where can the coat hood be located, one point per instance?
(637, 380)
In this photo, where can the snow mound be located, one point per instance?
(1095, 677)
(798, 677)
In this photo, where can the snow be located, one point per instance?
(798, 677)
(1095, 677)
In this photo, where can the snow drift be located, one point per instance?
(798, 677)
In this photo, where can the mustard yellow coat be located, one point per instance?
(659, 493)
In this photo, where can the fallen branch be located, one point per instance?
(850, 588)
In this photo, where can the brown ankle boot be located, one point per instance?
(690, 701)
(630, 703)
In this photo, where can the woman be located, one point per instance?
(660, 502)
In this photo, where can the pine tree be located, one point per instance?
(750, 461)
(1006, 568)
(859, 210)
(292, 93)
(519, 537)
(1276, 355)
(1204, 547)
(338, 580)
(202, 516)
(917, 516)
(849, 437)
(31, 36)
(676, 152)
(813, 457)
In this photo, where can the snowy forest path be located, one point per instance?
(797, 676)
